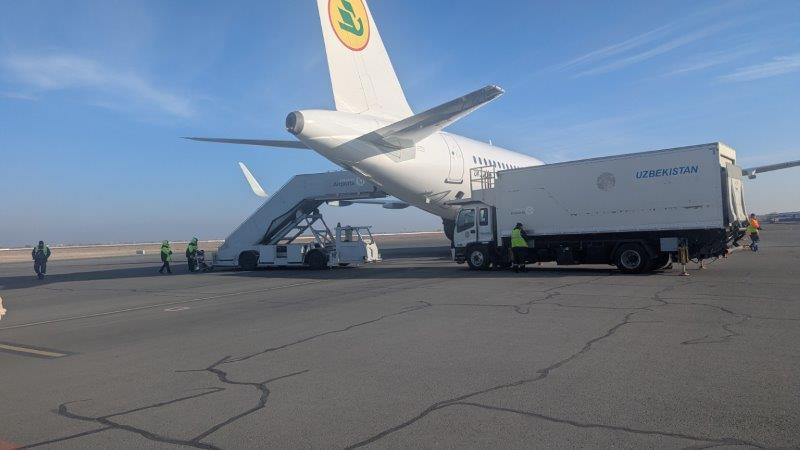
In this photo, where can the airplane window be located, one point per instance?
(474, 160)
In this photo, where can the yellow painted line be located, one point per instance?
(31, 351)
(161, 305)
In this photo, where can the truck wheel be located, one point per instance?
(478, 258)
(317, 261)
(248, 260)
(632, 258)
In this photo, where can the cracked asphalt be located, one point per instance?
(413, 352)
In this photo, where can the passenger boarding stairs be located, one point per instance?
(293, 210)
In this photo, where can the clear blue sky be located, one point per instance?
(94, 95)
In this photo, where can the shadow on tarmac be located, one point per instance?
(388, 270)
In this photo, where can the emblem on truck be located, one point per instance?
(606, 181)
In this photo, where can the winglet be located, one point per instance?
(251, 180)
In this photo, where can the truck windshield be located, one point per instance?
(466, 220)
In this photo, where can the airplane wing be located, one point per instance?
(261, 142)
(407, 132)
(385, 203)
(251, 180)
(752, 172)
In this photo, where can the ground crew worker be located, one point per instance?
(40, 254)
(753, 227)
(191, 255)
(519, 247)
(166, 257)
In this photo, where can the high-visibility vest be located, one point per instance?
(753, 226)
(166, 253)
(516, 238)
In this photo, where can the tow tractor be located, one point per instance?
(318, 249)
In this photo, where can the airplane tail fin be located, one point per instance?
(362, 75)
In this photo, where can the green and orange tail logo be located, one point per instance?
(350, 22)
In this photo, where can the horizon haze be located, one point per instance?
(94, 97)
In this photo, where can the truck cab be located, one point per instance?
(475, 236)
(353, 245)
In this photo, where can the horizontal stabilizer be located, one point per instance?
(407, 132)
(251, 180)
(261, 142)
(754, 171)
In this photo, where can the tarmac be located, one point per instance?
(414, 351)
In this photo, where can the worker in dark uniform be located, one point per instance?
(519, 247)
(40, 254)
(166, 257)
(191, 255)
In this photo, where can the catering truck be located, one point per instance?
(634, 211)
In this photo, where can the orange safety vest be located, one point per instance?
(753, 226)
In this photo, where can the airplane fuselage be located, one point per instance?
(428, 176)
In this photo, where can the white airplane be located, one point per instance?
(375, 134)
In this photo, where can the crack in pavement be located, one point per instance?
(727, 327)
(541, 374)
(196, 441)
(108, 424)
(525, 308)
(519, 308)
(658, 297)
(263, 391)
(261, 387)
(575, 423)
(66, 438)
(223, 377)
(405, 310)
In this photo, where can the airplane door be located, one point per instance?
(456, 174)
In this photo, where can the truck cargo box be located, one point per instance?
(684, 188)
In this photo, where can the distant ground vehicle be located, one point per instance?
(633, 211)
